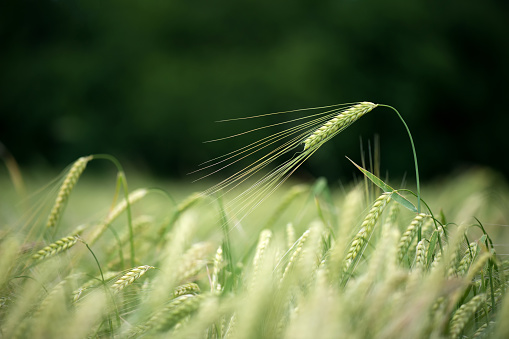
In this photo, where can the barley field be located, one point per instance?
(103, 257)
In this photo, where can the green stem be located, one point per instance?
(122, 179)
(415, 164)
(230, 281)
(119, 244)
(107, 291)
(129, 218)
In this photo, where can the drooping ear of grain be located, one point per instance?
(341, 121)
(56, 247)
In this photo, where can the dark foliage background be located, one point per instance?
(144, 80)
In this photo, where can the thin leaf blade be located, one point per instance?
(396, 196)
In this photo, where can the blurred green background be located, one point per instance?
(145, 80)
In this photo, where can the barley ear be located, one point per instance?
(468, 257)
(168, 317)
(420, 254)
(229, 331)
(216, 273)
(56, 247)
(65, 190)
(484, 331)
(263, 243)
(189, 288)
(390, 221)
(341, 121)
(128, 278)
(299, 244)
(408, 236)
(362, 237)
(290, 235)
(501, 325)
(478, 266)
(463, 315)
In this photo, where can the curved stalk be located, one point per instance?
(415, 163)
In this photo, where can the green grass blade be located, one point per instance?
(386, 188)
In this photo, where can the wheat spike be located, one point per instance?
(408, 236)
(128, 278)
(420, 254)
(463, 315)
(263, 243)
(218, 263)
(468, 257)
(65, 190)
(362, 237)
(337, 124)
(390, 222)
(229, 331)
(290, 235)
(296, 254)
(478, 265)
(481, 331)
(169, 316)
(189, 288)
(56, 247)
